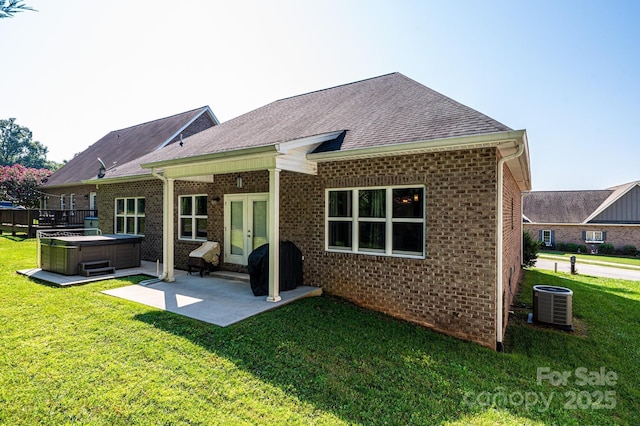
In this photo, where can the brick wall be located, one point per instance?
(512, 242)
(453, 289)
(151, 190)
(618, 235)
(80, 191)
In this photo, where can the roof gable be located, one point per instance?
(623, 206)
(124, 145)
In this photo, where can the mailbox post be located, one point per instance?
(573, 265)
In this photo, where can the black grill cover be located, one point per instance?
(290, 268)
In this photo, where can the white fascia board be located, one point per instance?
(206, 109)
(506, 142)
(582, 224)
(432, 145)
(284, 147)
(119, 179)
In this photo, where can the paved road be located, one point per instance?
(587, 269)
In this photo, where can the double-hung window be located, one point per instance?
(130, 218)
(547, 238)
(380, 220)
(594, 236)
(193, 217)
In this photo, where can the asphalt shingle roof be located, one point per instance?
(122, 146)
(385, 110)
(562, 206)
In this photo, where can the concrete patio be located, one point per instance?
(223, 298)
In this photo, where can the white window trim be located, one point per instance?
(192, 216)
(72, 201)
(389, 220)
(594, 240)
(125, 215)
(544, 240)
(63, 205)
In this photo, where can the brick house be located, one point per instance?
(585, 218)
(65, 190)
(402, 200)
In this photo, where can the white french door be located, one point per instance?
(245, 225)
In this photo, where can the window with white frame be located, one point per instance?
(129, 217)
(546, 238)
(63, 204)
(379, 220)
(72, 201)
(594, 236)
(193, 217)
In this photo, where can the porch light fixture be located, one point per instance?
(239, 181)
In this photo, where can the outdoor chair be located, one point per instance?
(205, 258)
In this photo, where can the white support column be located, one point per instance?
(274, 235)
(167, 232)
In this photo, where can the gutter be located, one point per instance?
(500, 233)
(167, 230)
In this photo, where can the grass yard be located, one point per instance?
(76, 356)
(586, 258)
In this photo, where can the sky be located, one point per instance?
(566, 71)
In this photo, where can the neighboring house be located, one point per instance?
(402, 200)
(588, 218)
(64, 190)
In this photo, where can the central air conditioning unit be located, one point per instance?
(553, 305)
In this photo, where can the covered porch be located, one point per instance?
(290, 156)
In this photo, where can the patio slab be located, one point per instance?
(145, 268)
(210, 299)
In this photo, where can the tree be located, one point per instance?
(530, 250)
(8, 8)
(18, 147)
(20, 184)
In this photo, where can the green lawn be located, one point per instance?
(634, 261)
(76, 356)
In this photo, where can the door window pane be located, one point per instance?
(237, 228)
(259, 224)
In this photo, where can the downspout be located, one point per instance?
(500, 232)
(167, 237)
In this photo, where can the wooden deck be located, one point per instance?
(29, 221)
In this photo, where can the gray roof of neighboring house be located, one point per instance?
(124, 145)
(385, 110)
(562, 206)
(571, 206)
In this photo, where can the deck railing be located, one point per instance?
(30, 220)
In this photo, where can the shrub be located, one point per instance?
(530, 250)
(572, 247)
(561, 246)
(606, 249)
(630, 250)
(582, 248)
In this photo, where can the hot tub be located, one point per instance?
(64, 254)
